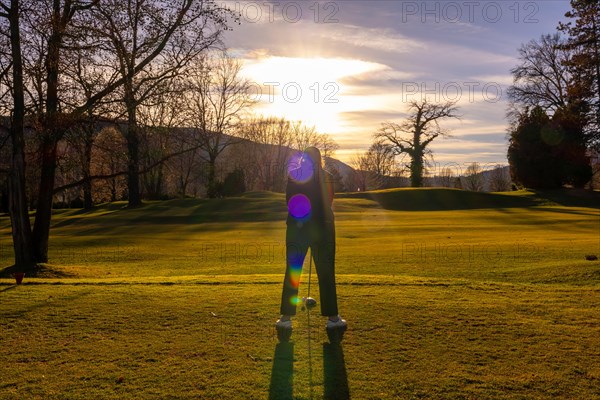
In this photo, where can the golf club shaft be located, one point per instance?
(309, 272)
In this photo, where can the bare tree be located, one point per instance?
(51, 29)
(270, 144)
(473, 179)
(47, 31)
(328, 146)
(109, 158)
(151, 44)
(6, 96)
(499, 179)
(595, 182)
(381, 159)
(53, 26)
(83, 77)
(374, 168)
(446, 177)
(21, 227)
(186, 168)
(363, 177)
(217, 99)
(412, 137)
(267, 152)
(160, 133)
(542, 77)
(306, 136)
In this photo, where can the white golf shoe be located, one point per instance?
(283, 324)
(337, 324)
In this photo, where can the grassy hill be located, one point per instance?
(406, 232)
(441, 199)
(449, 294)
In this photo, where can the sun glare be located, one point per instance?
(307, 89)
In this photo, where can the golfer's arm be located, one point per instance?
(330, 187)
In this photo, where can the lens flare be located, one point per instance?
(295, 274)
(295, 300)
(300, 167)
(299, 206)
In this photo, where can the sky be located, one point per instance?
(348, 66)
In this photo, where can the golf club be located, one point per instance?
(309, 302)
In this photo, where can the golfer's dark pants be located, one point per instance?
(320, 238)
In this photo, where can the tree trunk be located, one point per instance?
(4, 196)
(184, 188)
(113, 190)
(212, 190)
(416, 171)
(159, 182)
(43, 214)
(183, 183)
(597, 58)
(51, 135)
(88, 201)
(416, 165)
(19, 215)
(133, 144)
(133, 176)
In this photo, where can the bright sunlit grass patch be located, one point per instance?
(178, 300)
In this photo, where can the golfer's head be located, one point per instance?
(305, 166)
(315, 156)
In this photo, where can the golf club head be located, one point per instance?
(309, 302)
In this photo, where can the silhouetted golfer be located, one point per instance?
(310, 223)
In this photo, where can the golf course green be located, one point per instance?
(448, 294)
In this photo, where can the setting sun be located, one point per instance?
(307, 89)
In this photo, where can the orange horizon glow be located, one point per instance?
(310, 90)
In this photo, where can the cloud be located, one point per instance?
(501, 79)
(381, 39)
(395, 53)
(375, 116)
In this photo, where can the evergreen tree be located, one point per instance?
(234, 183)
(547, 153)
(584, 41)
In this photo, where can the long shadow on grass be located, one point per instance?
(40, 271)
(569, 211)
(335, 379)
(193, 213)
(571, 197)
(437, 199)
(282, 374)
(18, 314)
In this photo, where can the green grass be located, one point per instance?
(448, 294)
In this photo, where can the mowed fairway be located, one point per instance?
(448, 294)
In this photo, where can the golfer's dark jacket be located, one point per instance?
(319, 191)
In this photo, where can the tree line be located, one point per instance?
(554, 115)
(555, 103)
(104, 100)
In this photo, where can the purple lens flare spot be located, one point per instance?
(300, 167)
(299, 206)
